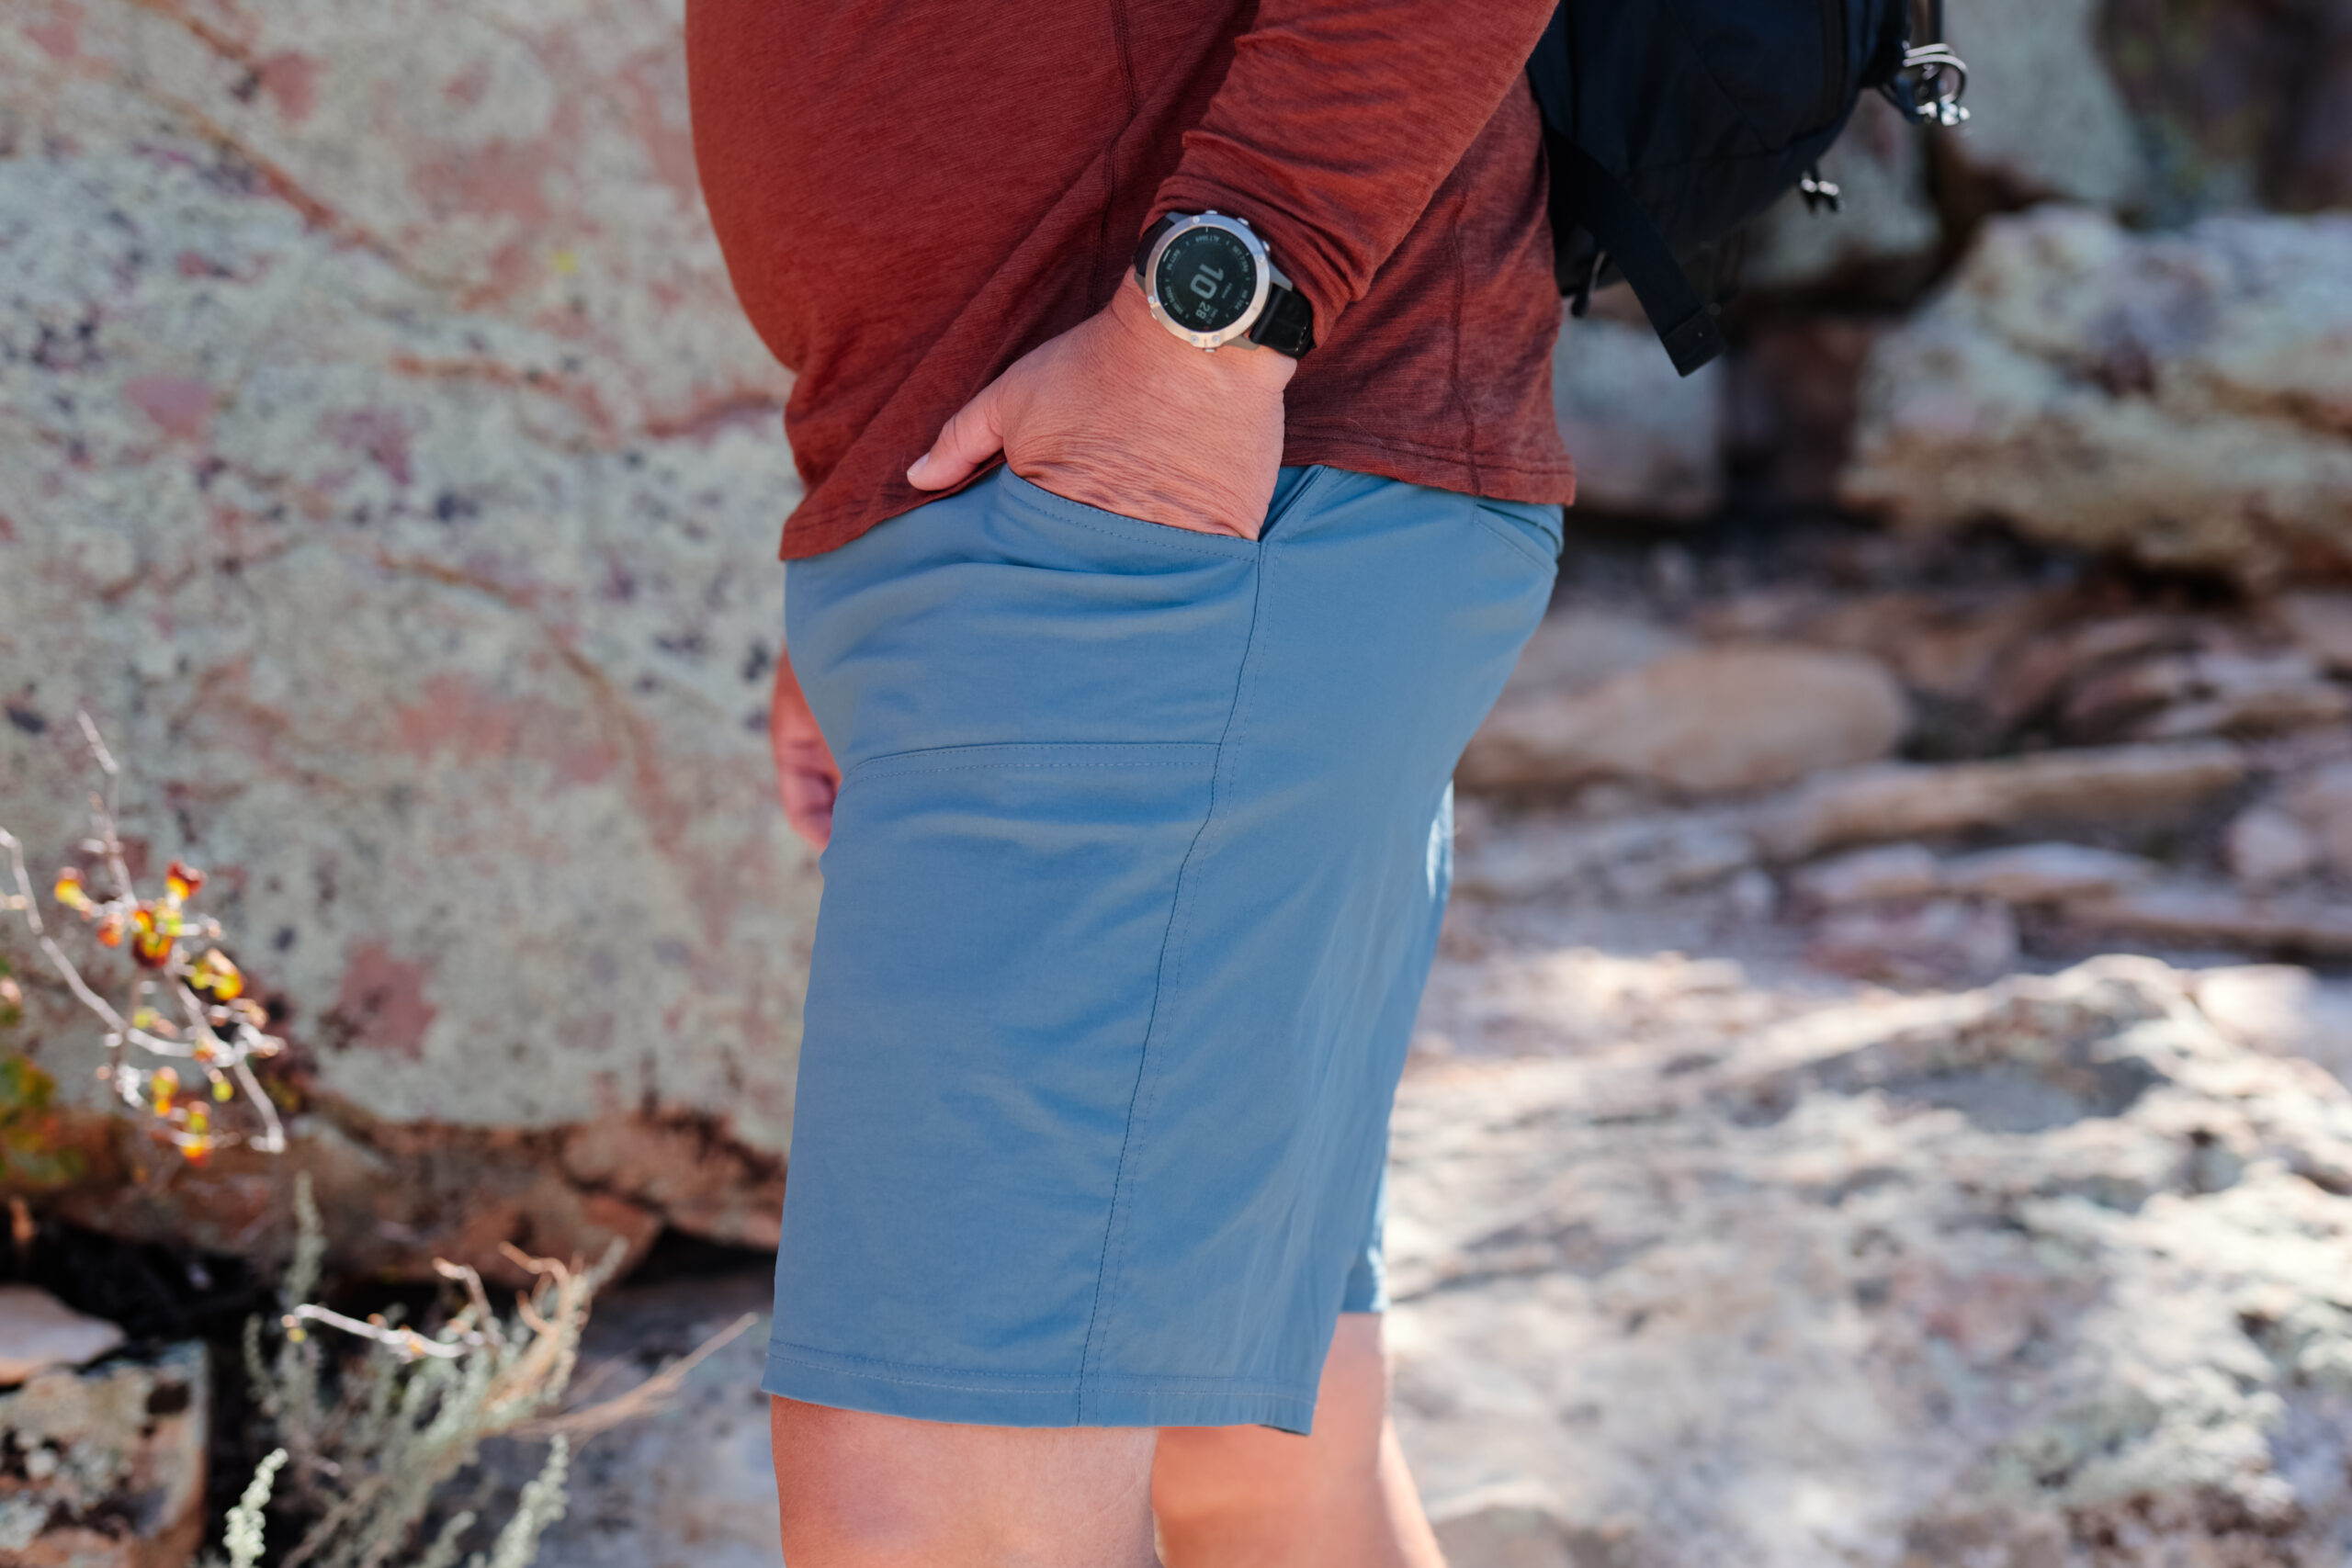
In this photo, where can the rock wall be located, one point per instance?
(385, 466)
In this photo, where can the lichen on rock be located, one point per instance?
(386, 466)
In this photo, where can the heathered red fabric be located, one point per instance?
(912, 194)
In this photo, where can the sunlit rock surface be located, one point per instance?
(385, 466)
(2184, 398)
(2048, 1273)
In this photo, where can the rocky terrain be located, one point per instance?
(1882, 1100)
(385, 466)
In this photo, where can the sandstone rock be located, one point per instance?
(2174, 696)
(2322, 623)
(106, 1467)
(1633, 857)
(1862, 876)
(2181, 397)
(1938, 941)
(1628, 1006)
(688, 1172)
(2266, 846)
(2188, 914)
(1646, 441)
(2049, 1274)
(1752, 894)
(393, 1196)
(2045, 874)
(2321, 800)
(2129, 784)
(2243, 694)
(390, 471)
(2041, 673)
(1712, 721)
(1578, 648)
(2046, 118)
(2283, 1008)
(1952, 645)
(38, 1331)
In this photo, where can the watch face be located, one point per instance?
(1207, 279)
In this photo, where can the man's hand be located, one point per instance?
(806, 777)
(1118, 413)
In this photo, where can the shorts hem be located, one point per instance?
(984, 1399)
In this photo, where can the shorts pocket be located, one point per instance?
(1536, 531)
(1079, 515)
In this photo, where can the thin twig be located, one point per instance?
(638, 1401)
(407, 1341)
(26, 903)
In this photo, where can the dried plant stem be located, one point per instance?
(199, 1038)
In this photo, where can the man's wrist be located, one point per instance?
(1242, 362)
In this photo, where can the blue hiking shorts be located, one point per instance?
(1134, 884)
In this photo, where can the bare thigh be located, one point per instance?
(861, 1491)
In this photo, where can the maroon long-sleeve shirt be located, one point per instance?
(912, 193)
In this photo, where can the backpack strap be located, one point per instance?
(1686, 323)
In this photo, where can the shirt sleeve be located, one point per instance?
(1340, 119)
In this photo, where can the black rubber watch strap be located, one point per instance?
(1150, 238)
(1288, 324)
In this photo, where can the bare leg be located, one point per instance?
(860, 1491)
(1253, 1497)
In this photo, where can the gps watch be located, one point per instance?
(1209, 281)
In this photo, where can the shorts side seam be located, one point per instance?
(1115, 1237)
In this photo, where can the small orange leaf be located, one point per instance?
(181, 881)
(71, 891)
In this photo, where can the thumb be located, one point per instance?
(971, 438)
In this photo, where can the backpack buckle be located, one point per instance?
(1930, 84)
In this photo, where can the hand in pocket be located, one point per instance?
(1117, 414)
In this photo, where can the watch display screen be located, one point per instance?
(1207, 279)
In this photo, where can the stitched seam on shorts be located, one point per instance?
(866, 1367)
(817, 1355)
(1510, 537)
(1113, 1264)
(999, 755)
(1079, 516)
(1053, 1382)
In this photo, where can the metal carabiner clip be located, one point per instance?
(1930, 84)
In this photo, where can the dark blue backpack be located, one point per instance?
(1670, 123)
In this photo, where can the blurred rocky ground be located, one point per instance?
(1882, 1100)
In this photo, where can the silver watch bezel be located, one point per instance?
(1267, 276)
